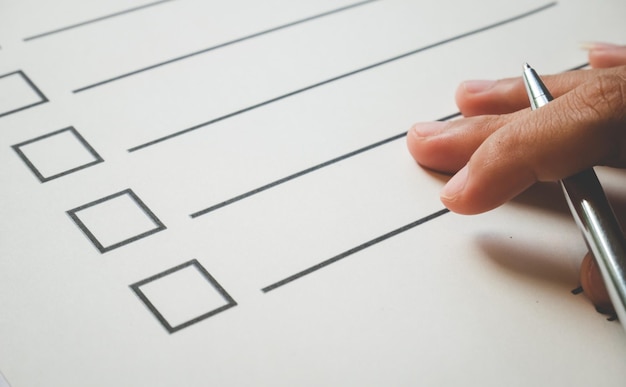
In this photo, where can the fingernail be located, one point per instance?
(478, 86)
(427, 129)
(589, 46)
(456, 184)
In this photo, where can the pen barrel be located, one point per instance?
(601, 232)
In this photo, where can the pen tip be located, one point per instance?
(527, 66)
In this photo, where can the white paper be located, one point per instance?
(219, 193)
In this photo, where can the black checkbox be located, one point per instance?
(116, 220)
(183, 295)
(17, 93)
(57, 154)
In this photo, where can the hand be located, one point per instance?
(501, 148)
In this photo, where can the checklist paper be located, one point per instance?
(219, 193)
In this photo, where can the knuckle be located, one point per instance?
(605, 98)
(493, 123)
(602, 106)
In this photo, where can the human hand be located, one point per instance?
(501, 148)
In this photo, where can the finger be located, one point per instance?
(593, 285)
(508, 95)
(603, 55)
(448, 146)
(545, 145)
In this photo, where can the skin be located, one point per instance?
(501, 147)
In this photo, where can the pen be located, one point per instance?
(592, 213)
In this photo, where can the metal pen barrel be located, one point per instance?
(602, 233)
(592, 212)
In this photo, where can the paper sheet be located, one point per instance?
(218, 193)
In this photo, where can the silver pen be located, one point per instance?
(592, 213)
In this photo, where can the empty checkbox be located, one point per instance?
(17, 93)
(116, 220)
(57, 154)
(183, 295)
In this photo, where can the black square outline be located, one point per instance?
(230, 302)
(29, 83)
(94, 240)
(71, 129)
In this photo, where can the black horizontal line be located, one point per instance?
(582, 66)
(345, 75)
(353, 250)
(306, 171)
(205, 50)
(98, 19)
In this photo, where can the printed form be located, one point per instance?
(219, 193)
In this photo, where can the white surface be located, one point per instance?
(481, 300)
(3, 382)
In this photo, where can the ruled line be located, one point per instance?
(353, 250)
(579, 67)
(98, 19)
(221, 45)
(322, 165)
(342, 76)
(307, 171)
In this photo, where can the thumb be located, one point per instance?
(593, 285)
